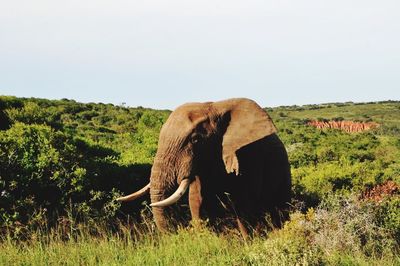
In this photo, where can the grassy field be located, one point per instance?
(63, 163)
(386, 114)
(340, 231)
(315, 238)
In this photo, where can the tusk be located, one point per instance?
(136, 194)
(174, 197)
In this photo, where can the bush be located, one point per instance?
(45, 172)
(341, 229)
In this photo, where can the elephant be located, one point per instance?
(229, 156)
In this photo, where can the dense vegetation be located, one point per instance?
(62, 163)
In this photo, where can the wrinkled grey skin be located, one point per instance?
(229, 151)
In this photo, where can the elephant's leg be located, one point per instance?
(195, 199)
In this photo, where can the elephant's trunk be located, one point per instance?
(164, 178)
(158, 188)
(157, 195)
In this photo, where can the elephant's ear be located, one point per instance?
(246, 122)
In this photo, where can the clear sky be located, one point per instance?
(159, 53)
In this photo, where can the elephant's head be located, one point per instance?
(230, 124)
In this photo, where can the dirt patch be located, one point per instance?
(347, 126)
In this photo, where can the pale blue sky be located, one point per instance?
(159, 54)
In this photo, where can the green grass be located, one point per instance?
(342, 231)
(186, 247)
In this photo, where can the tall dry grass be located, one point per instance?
(341, 231)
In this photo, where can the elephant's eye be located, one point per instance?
(195, 138)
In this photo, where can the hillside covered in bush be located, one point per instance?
(61, 158)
